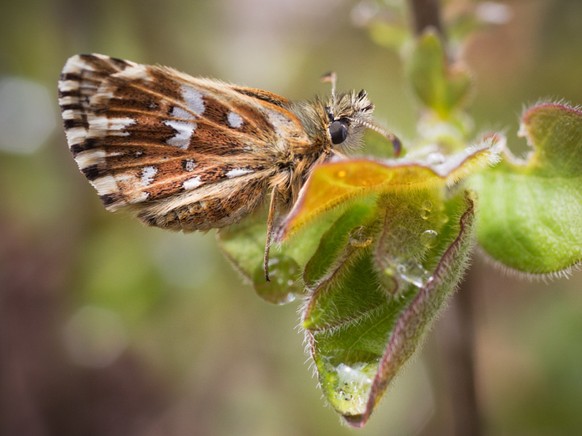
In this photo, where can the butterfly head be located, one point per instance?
(349, 115)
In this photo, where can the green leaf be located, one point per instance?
(349, 229)
(244, 245)
(530, 214)
(386, 243)
(370, 310)
(338, 183)
(442, 87)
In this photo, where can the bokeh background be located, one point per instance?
(110, 328)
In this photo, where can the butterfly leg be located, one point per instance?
(270, 220)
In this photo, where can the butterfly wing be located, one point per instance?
(181, 152)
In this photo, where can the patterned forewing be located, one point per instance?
(173, 148)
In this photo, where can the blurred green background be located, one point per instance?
(110, 328)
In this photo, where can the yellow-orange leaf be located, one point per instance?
(337, 182)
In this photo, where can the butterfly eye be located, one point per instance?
(338, 131)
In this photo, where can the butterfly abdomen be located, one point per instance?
(212, 211)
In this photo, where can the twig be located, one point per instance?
(425, 14)
(460, 361)
(459, 342)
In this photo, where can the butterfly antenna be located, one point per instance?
(331, 77)
(388, 135)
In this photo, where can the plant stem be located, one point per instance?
(459, 329)
(425, 14)
(460, 362)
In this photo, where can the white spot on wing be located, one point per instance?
(75, 135)
(68, 85)
(77, 63)
(120, 123)
(184, 131)
(147, 175)
(101, 125)
(278, 120)
(105, 185)
(68, 99)
(193, 99)
(135, 72)
(189, 165)
(90, 157)
(179, 112)
(237, 172)
(234, 120)
(115, 153)
(69, 114)
(282, 125)
(192, 183)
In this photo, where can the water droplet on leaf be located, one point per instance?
(360, 237)
(435, 158)
(425, 209)
(428, 238)
(413, 273)
(283, 273)
(352, 385)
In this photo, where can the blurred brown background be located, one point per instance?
(110, 328)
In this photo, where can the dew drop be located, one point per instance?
(413, 273)
(428, 238)
(283, 273)
(360, 237)
(425, 209)
(390, 280)
(435, 158)
(353, 385)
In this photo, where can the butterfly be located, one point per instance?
(186, 153)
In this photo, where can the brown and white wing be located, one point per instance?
(181, 152)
